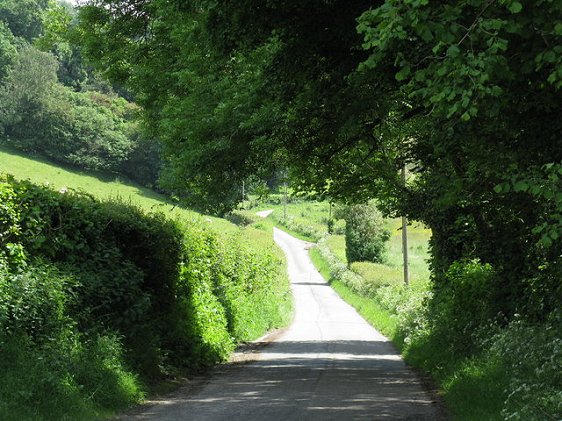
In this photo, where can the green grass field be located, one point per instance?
(100, 185)
(308, 220)
(111, 186)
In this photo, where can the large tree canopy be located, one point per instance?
(23, 17)
(233, 92)
(344, 93)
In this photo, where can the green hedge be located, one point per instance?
(173, 295)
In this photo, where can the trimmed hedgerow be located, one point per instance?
(150, 294)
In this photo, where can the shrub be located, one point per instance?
(467, 285)
(408, 306)
(531, 354)
(339, 270)
(33, 302)
(365, 235)
(205, 320)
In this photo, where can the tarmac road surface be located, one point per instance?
(330, 364)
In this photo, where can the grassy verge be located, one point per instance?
(509, 374)
(473, 388)
(366, 307)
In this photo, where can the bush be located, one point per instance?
(468, 286)
(175, 294)
(33, 302)
(49, 369)
(531, 354)
(365, 235)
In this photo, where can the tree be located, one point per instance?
(224, 94)
(25, 92)
(466, 93)
(90, 130)
(7, 49)
(486, 78)
(23, 17)
(58, 38)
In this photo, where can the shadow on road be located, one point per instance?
(308, 380)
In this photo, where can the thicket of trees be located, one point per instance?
(53, 104)
(344, 93)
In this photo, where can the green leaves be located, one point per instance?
(453, 51)
(544, 185)
(461, 91)
(403, 73)
(520, 186)
(515, 7)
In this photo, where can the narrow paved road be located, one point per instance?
(329, 365)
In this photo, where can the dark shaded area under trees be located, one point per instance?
(345, 93)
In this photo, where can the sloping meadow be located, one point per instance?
(98, 299)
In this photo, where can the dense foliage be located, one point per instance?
(466, 94)
(148, 294)
(365, 234)
(52, 104)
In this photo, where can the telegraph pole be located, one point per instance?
(285, 202)
(405, 237)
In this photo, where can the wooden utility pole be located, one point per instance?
(405, 237)
(285, 202)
